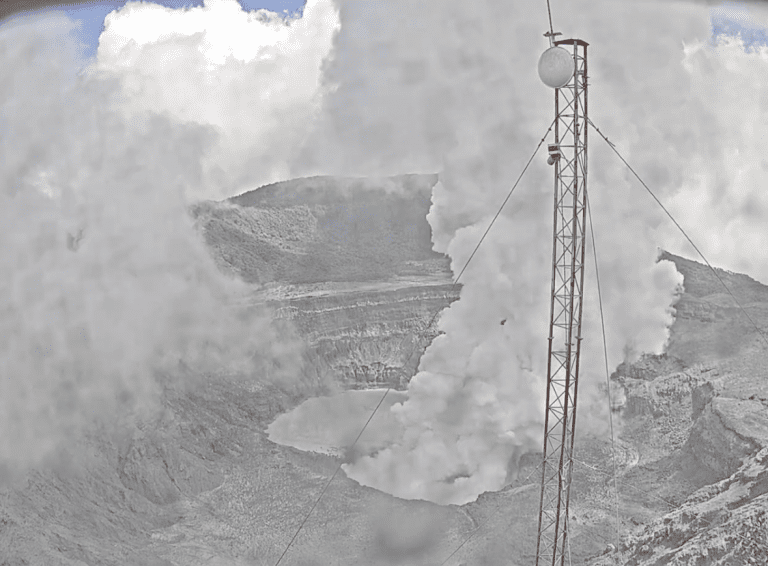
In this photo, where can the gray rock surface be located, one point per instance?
(726, 432)
(371, 338)
(202, 484)
(155, 467)
(723, 523)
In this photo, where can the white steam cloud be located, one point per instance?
(106, 287)
(254, 76)
(370, 88)
(454, 89)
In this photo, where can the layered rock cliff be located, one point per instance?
(348, 262)
(369, 338)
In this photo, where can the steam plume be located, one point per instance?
(406, 86)
(106, 287)
(456, 90)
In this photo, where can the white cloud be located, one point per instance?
(455, 89)
(376, 88)
(92, 335)
(255, 76)
(452, 87)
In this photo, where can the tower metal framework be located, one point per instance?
(568, 155)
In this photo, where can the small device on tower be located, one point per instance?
(554, 153)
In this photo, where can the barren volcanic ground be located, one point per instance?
(355, 277)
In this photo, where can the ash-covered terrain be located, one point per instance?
(346, 265)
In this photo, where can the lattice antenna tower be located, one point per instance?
(564, 67)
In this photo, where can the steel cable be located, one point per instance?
(743, 311)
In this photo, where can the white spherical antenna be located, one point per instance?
(555, 67)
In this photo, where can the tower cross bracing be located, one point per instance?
(570, 167)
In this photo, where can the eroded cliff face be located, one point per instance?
(371, 338)
(347, 262)
(723, 523)
(698, 418)
(727, 432)
(710, 324)
(716, 483)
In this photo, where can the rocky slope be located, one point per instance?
(202, 484)
(704, 462)
(313, 230)
(710, 324)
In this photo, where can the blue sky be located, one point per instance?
(92, 17)
(92, 14)
(732, 19)
(753, 37)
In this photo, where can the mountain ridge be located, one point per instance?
(202, 484)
